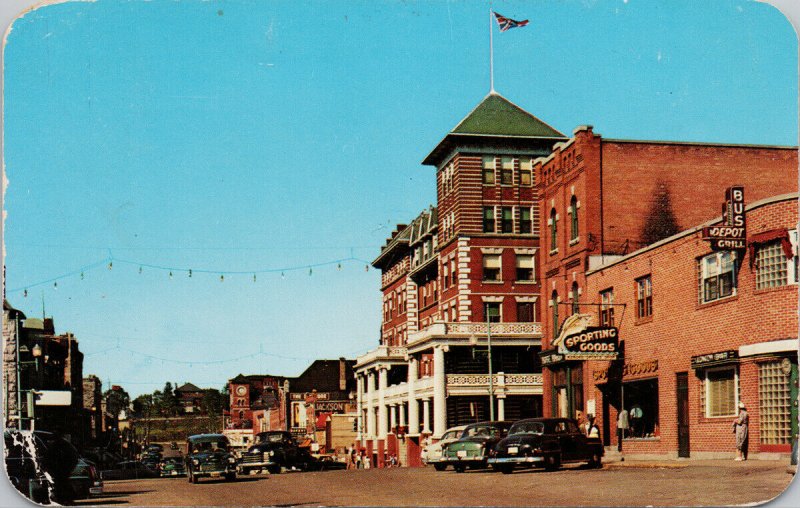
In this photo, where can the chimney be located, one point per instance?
(342, 374)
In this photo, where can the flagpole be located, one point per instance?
(491, 53)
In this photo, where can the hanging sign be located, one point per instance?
(732, 233)
(579, 341)
(711, 359)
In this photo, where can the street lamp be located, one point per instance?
(473, 340)
(36, 352)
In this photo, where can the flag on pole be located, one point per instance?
(508, 23)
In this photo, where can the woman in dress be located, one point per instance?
(740, 425)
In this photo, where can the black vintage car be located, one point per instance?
(545, 442)
(208, 456)
(275, 450)
(472, 449)
(40, 465)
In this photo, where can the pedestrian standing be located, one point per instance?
(590, 429)
(740, 428)
(622, 427)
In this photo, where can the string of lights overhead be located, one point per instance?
(252, 355)
(173, 271)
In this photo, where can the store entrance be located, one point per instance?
(682, 390)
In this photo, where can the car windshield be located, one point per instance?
(527, 428)
(208, 446)
(484, 431)
(272, 438)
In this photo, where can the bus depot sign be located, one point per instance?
(732, 233)
(579, 341)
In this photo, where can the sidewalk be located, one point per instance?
(752, 464)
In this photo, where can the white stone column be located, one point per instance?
(392, 418)
(360, 406)
(382, 416)
(426, 416)
(500, 390)
(439, 401)
(413, 406)
(401, 408)
(501, 408)
(370, 411)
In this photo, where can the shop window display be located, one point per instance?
(640, 399)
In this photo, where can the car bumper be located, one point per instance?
(213, 474)
(96, 490)
(464, 460)
(256, 465)
(167, 474)
(515, 460)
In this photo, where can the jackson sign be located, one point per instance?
(579, 341)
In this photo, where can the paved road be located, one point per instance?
(707, 483)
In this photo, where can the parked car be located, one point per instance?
(545, 442)
(275, 450)
(432, 453)
(85, 480)
(472, 449)
(155, 447)
(37, 461)
(172, 466)
(151, 460)
(209, 456)
(128, 470)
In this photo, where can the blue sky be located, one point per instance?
(249, 136)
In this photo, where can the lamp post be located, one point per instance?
(474, 341)
(36, 352)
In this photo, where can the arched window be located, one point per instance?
(573, 211)
(575, 307)
(553, 230)
(554, 301)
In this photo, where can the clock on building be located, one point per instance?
(241, 390)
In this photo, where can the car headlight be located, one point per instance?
(270, 453)
(231, 460)
(195, 462)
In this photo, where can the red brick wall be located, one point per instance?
(681, 327)
(695, 176)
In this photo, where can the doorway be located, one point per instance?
(682, 391)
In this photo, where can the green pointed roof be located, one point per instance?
(497, 116)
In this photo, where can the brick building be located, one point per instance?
(524, 216)
(702, 331)
(461, 273)
(601, 199)
(257, 404)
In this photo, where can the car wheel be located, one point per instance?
(552, 462)
(507, 468)
(244, 471)
(440, 467)
(193, 478)
(274, 469)
(459, 468)
(596, 462)
(230, 477)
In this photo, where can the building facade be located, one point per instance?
(461, 332)
(524, 217)
(703, 330)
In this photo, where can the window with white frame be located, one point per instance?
(491, 267)
(717, 276)
(488, 219)
(488, 170)
(644, 297)
(525, 220)
(507, 171)
(607, 307)
(445, 276)
(526, 172)
(524, 267)
(721, 391)
(794, 265)
(507, 221)
(491, 312)
(453, 271)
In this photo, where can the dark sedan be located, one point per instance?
(545, 442)
(472, 449)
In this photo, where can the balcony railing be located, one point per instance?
(462, 330)
(497, 379)
(382, 353)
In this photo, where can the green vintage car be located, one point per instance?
(472, 449)
(208, 456)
